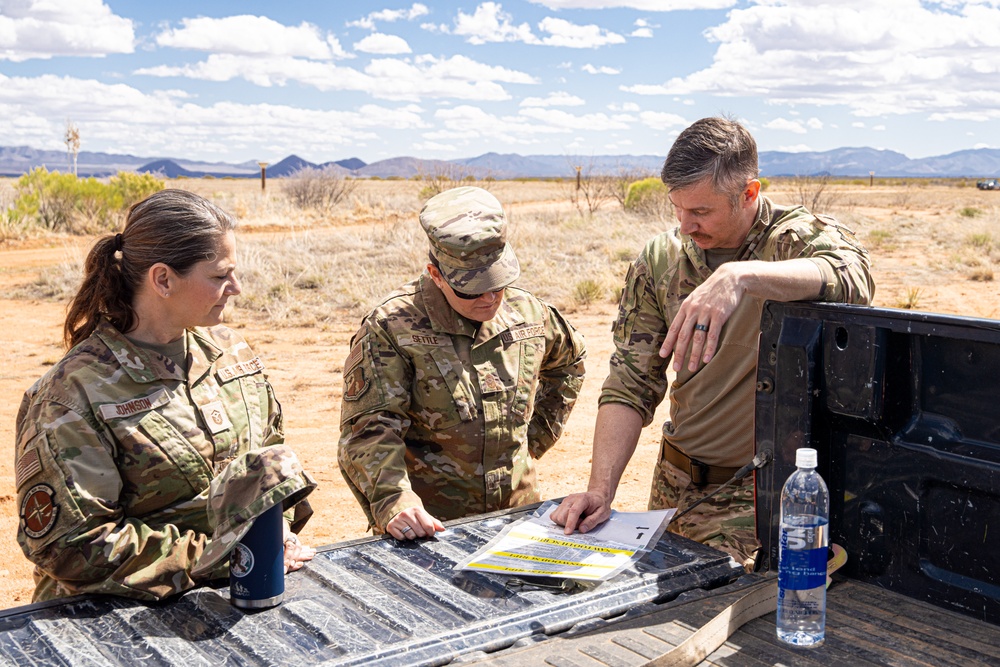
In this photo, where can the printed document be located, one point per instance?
(536, 546)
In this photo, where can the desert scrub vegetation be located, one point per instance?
(319, 189)
(56, 202)
(305, 277)
(648, 197)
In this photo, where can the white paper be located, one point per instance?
(536, 546)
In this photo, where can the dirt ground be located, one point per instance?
(305, 366)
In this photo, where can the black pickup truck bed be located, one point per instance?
(902, 408)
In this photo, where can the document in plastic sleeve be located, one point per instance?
(536, 546)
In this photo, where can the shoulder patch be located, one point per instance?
(128, 408)
(424, 339)
(523, 332)
(39, 511)
(240, 369)
(28, 465)
(356, 383)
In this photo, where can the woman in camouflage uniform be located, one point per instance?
(118, 443)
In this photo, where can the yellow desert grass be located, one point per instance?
(300, 266)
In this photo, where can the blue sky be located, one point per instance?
(237, 81)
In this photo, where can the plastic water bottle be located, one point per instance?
(257, 564)
(803, 541)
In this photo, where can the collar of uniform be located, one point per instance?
(505, 318)
(760, 223)
(444, 319)
(202, 353)
(140, 364)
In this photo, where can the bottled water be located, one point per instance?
(803, 540)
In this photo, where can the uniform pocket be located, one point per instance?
(442, 389)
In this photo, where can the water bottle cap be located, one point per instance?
(805, 457)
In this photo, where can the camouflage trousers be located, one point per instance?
(726, 522)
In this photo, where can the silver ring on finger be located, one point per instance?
(404, 531)
(701, 327)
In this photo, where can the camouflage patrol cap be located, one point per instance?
(468, 233)
(251, 484)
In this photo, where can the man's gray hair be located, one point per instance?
(717, 148)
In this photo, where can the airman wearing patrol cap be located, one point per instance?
(457, 382)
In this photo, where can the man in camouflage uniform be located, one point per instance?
(696, 293)
(117, 448)
(457, 382)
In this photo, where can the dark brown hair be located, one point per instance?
(719, 148)
(173, 227)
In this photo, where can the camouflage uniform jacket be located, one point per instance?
(116, 447)
(712, 408)
(439, 415)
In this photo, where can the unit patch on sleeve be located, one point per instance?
(240, 369)
(39, 511)
(355, 384)
(523, 332)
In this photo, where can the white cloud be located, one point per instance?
(381, 43)
(659, 120)
(574, 36)
(641, 32)
(47, 28)
(887, 58)
(489, 23)
(628, 107)
(118, 118)
(785, 125)
(477, 125)
(642, 5)
(252, 35)
(590, 69)
(457, 77)
(596, 122)
(557, 99)
(391, 15)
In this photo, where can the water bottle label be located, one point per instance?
(801, 570)
(240, 561)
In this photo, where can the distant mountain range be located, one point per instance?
(847, 162)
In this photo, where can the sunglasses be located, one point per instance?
(470, 297)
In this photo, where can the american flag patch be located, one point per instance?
(28, 465)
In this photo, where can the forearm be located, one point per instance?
(372, 457)
(129, 559)
(787, 280)
(616, 434)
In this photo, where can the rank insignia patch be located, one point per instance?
(355, 384)
(39, 511)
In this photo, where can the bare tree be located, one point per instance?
(813, 192)
(592, 189)
(72, 140)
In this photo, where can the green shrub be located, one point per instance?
(63, 202)
(970, 212)
(765, 182)
(648, 197)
